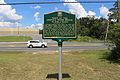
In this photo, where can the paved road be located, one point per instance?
(15, 46)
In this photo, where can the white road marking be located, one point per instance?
(11, 45)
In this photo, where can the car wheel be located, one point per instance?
(43, 46)
(31, 46)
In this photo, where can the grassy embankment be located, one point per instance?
(14, 38)
(86, 65)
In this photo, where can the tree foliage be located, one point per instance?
(114, 32)
(115, 11)
(93, 27)
(114, 36)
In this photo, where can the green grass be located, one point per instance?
(14, 38)
(85, 39)
(86, 65)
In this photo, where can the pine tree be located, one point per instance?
(115, 12)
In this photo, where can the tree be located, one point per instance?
(115, 12)
(114, 36)
(98, 28)
(92, 27)
(114, 32)
(78, 26)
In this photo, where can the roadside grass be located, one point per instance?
(14, 38)
(86, 39)
(85, 65)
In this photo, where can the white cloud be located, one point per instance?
(7, 13)
(78, 9)
(104, 11)
(36, 7)
(8, 24)
(91, 13)
(36, 26)
(36, 16)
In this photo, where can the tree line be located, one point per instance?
(97, 28)
(92, 27)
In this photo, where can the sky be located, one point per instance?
(32, 15)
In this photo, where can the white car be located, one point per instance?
(36, 43)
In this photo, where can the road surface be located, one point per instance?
(67, 46)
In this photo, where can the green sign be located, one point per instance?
(59, 25)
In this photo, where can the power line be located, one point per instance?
(25, 3)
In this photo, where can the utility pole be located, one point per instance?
(106, 35)
(18, 28)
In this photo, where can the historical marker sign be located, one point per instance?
(59, 25)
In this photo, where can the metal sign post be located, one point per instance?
(60, 59)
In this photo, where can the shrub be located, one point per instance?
(114, 36)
